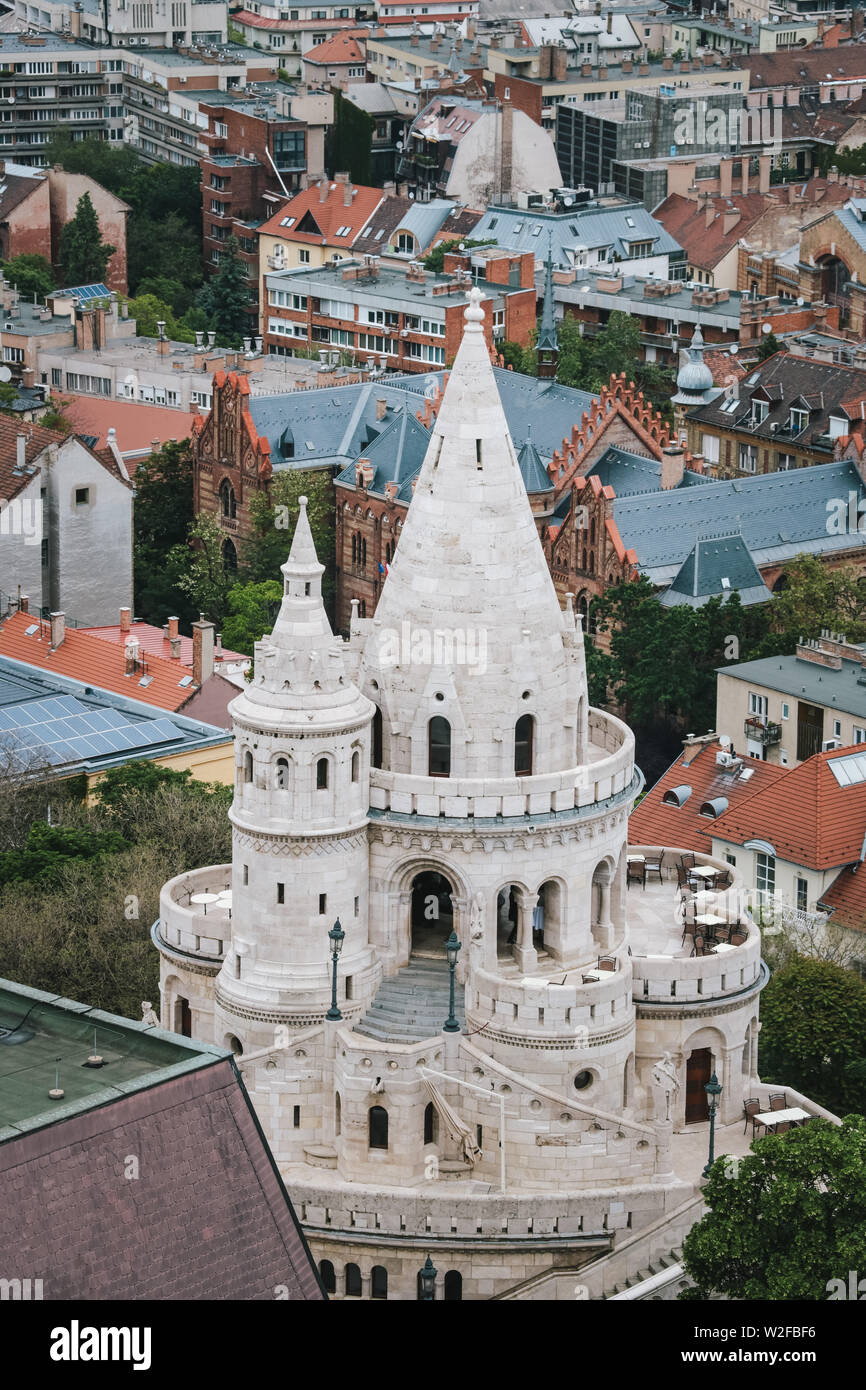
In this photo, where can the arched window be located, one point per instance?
(353, 1281)
(322, 774)
(230, 556)
(379, 1282)
(363, 551)
(453, 1286)
(338, 1113)
(592, 562)
(431, 1125)
(356, 766)
(523, 731)
(377, 1122)
(376, 748)
(327, 1276)
(228, 506)
(354, 547)
(281, 774)
(248, 766)
(438, 747)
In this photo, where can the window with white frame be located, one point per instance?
(757, 704)
(710, 447)
(749, 458)
(765, 874)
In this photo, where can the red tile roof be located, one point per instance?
(328, 216)
(154, 642)
(84, 657)
(208, 1218)
(846, 897)
(255, 21)
(806, 816)
(38, 439)
(135, 425)
(653, 822)
(339, 48)
(685, 220)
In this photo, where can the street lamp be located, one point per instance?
(713, 1090)
(452, 946)
(336, 936)
(427, 1279)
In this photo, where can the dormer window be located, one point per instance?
(760, 411)
(837, 427)
(714, 808)
(677, 796)
(799, 421)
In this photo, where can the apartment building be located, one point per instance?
(407, 320)
(288, 32)
(783, 709)
(119, 23)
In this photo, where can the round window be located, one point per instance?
(582, 1080)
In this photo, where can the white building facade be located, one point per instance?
(443, 771)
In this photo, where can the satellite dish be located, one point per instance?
(800, 302)
(765, 328)
(568, 202)
(5, 374)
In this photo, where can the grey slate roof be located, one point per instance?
(818, 685)
(780, 515)
(424, 219)
(535, 476)
(592, 226)
(396, 455)
(710, 561)
(626, 472)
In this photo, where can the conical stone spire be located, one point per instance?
(468, 625)
(299, 667)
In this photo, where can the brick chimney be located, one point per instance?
(673, 465)
(58, 629)
(172, 629)
(381, 408)
(363, 473)
(131, 655)
(174, 644)
(125, 619)
(324, 190)
(202, 650)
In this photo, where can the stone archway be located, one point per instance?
(431, 913)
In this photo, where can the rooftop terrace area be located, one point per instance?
(42, 1035)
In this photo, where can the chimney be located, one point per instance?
(21, 454)
(381, 408)
(58, 629)
(174, 644)
(202, 650)
(609, 22)
(28, 378)
(363, 473)
(131, 655)
(709, 214)
(726, 176)
(347, 195)
(732, 217)
(172, 629)
(125, 619)
(764, 162)
(673, 465)
(506, 164)
(24, 604)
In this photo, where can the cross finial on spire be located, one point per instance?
(547, 345)
(473, 314)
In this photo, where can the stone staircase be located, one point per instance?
(413, 1004)
(658, 1266)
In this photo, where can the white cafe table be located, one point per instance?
(595, 974)
(224, 899)
(709, 919)
(705, 871)
(635, 858)
(202, 900)
(793, 1115)
(723, 946)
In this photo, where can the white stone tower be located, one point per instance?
(302, 759)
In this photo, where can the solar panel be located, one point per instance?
(848, 771)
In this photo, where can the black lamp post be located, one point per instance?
(336, 936)
(452, 946)
(713, 1090)
(427, 1279)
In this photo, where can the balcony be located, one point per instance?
(762, 731)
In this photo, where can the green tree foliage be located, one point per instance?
(348, 140)
(662, 661)
(814, 1024)
(53, 418)
(435, 259)
(84, 928)
(162, 518)
(785, 1220)
(817, 597)
(225, 297)
(49, 847)
(164, 227)
(768, 345)
(148, 311)
(84, 256)
(251, 610)
(197, 568)
(31, 275)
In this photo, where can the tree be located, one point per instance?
(435, 259)
(163, 515)
(815, 597)
(148, 311)
(786, 1220)
(814, 1024)
(251, 610)
(30, 274)
(226, 296)
(53, 418)
(50, 847)
(348, 140)
(768, 346)
(198, 568)
(84, 256)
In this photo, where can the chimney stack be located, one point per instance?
(125, 619)
(174, 644)
(381, 408)
(202, 650)
(131, 654)
(21, 454)
(58, 629)
(673, 465)
(172, 629)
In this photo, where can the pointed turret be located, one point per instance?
(535, 476)
(547, 347)
(468, 629)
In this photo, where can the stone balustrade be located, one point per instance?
(609, 772)
(185, 926)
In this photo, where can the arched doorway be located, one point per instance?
(230, 556)
(432, 913)
(699, 1069)
(507, 921)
